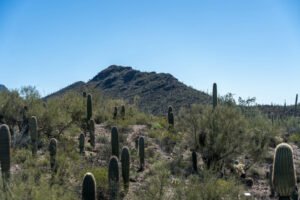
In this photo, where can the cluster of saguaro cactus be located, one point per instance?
(115, 114)
(115, 142)
(92, 132)
(5, 156)
(33, 129)
(125, 160)
(215, 96)
(89, 187)
(194, 161)
(123, 112)
(81, 143)
(89, 107)
(113, 177)
(52, 152)
(142, 153)
(284, 177)
(170, 117)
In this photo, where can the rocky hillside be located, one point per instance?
(153, 92)
(3, 88)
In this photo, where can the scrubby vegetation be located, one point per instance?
(83, 145)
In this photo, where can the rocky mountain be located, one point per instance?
(153, 92)
(3, 88)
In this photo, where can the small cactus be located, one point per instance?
(125, 160)
(142, 153)
(92, 132)
(115, 142)
(215, 96)
(171, 119)
(113, 177)
(284, 177)
(115, 114)
(81, 143)
(123, 112)
(194, 160)
(52, 152)
(33, 134)
(89, 187)
(5, 155)
(89, 107)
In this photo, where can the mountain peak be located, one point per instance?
(3, 88)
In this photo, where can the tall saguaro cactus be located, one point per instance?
(142, 153)
(89, 187)
(92, 132)
(81, 143)
(115, 142)
(170, 117)
(194, 160)
(215, 96)
(284, 176)
(52, 151)
(296, 103)
(33, 129)
(5, 154)
(113, 178)
(89, 107)
(123, 112)
(125, 160)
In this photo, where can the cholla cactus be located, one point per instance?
(142, 153)
(52, 151)
(5, 155)
(125, 160)
(33, 129)
(215, 96)
(89, 187)
(115, 142)
(113, 177)
(89, 107)
(284, 177)
(92, 132)
(81, 143)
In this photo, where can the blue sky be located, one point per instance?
(249, 47)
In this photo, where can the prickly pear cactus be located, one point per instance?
(125, 160)
(215, 95)
(33, 129)
(284, 177)
(5, 154)
(52, 151)
(113, 177)
(194, 160)
(89, 187)
(92, 132)
(89, 107)
(81, 143)
(123, 112)
(115, 142)
(142, 152)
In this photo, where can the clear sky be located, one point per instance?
(249, 47)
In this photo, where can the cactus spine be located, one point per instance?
(52, 152)
(284, 177)
(81, 143)
(194, 160)
(33, 134)
(5, 142)
(89, 107)
(92, 132)
(115, 142)
(215, 96)
(123, 112)
(89, 187)
(125, 160)
(113, 177)
(142, 153)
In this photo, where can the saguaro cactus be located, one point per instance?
(123, 112)
(170, 117)
(296, 103)
(33, 129)
(92, 132)
(215, 96)
(89, 187)
(52, 152)
(115, 142)
(5, 142)
(125, 160)
(81, 143)
(113, 177)
(284, 177)
(194, 160)
(115, 114)
(89, 107)
(142, 153)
